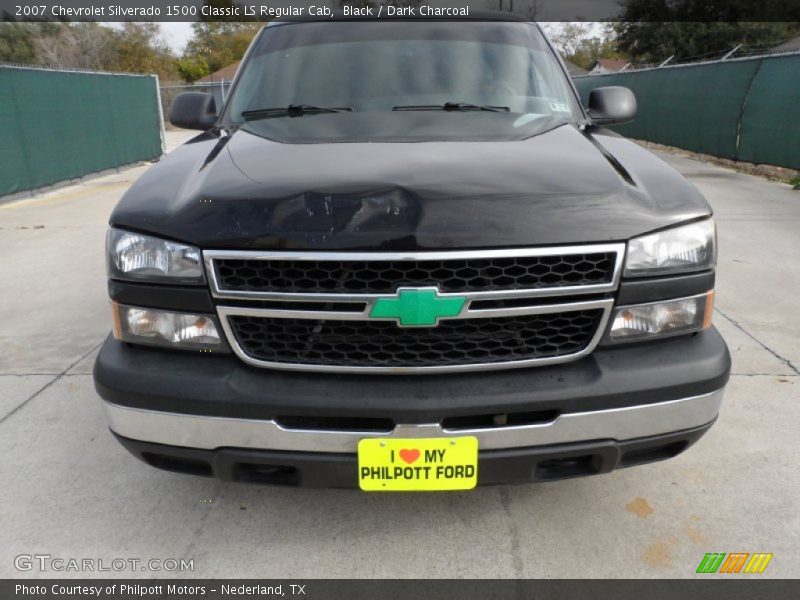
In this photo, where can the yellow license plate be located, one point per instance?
(418, 465)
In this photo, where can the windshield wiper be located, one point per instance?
(453, 107)
(293, 110)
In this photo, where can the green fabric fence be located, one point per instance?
(738, 109)
(60, 125)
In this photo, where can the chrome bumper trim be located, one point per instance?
(208, 433)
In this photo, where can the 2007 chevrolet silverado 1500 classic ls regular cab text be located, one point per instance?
(402, 256)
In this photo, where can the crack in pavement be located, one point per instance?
(762, 375)
(48, 384)
(738, 326)
(29, 374)
(513, 532)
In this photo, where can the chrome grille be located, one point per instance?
(383, 344)
(379, 277)
(312, 311)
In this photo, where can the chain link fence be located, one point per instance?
(740, 108)
(63, 124)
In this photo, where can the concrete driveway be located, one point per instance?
(69, 490)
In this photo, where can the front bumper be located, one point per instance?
(617, 407)
(337, 470)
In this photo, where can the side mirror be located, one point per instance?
(612, 104)
(193, 110)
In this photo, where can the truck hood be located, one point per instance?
(241, 190)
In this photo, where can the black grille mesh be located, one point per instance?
(384, 344)
(463, 275)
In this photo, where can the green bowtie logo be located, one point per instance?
(417, 308)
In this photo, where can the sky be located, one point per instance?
(176, 35)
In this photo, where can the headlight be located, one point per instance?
(163, 328)
(685, 248)
(673, 317)
(146, 258)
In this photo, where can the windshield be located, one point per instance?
(502, 74)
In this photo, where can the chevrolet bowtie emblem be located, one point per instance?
(417, 307)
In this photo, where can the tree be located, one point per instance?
(192, 68)
(130, 48)
(139, 48)
(590, 50)
(654, 30)
(569, 37)
(578, 47)
(16, 43)
(219, 43)
(74, 46)
(216, 43)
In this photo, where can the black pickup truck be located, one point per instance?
(403, 256)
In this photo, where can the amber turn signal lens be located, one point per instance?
(115, 319)
(709, 309)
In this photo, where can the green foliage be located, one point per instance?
(795, 183)
(652, 31)
(589, 51)
(16, 43)
(130, 48)
(138, 48)
(219, 43)
(192, 68)
(573, 42)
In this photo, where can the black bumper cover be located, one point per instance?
(611, 377)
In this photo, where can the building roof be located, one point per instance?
(224, 74)
(612, 64)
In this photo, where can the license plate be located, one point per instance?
(418, 465)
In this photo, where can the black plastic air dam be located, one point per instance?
(611, 377)
(495, 467)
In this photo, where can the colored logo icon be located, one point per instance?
(417, 307)
(735, 562)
